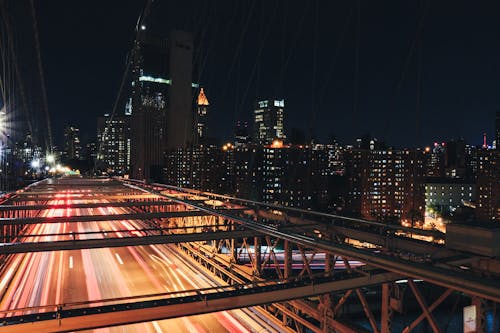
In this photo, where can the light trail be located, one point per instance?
(44, 278)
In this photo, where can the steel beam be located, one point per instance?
(434, 305)
(338, 326)
(467, 283)
(25, 247)
(394, 242)
(385, 309)
(366, 309)
(94, 192)
(302, 213)
(100, 197)
(4, 208)
(128, 313)
(425, 308)
(112, 217)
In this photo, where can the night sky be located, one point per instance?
(409, 72)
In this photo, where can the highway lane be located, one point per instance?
(59, 277)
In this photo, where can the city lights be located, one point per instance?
(277, 144)
(50, 159)
(249, 167)
(227, 146)
(3, 120)
(35, 164)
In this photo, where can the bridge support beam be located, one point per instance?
(386, 310)
(481, 305)
(434, 305)
(129, 313)
(425, 308)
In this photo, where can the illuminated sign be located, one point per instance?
(263, 104)
(154, 79)
(470, 319)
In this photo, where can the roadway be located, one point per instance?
(58, 277)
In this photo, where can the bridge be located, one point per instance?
(162, 252)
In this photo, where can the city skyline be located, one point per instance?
(451, 105)
(258, 166)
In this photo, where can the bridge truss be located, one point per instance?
(305, 268)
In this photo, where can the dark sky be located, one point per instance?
(409, 72)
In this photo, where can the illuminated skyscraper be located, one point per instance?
(113, 134)
(241, 134)
(488, 185)
(161, 101)
(72, 145)
(201, 117)
(269, 121)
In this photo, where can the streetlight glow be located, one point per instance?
(35, 164)
(3, 123)
(50, 159)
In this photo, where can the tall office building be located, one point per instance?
(160, 102)
(269, 121)
(72, 145)
(113, 134)
(455, 158)
(488, 185)
(201, 117)
(241, 134)
(180, 129)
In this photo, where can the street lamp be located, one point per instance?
(51, 159)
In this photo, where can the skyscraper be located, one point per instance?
(488, 185)
(201, 117)
(241, 134)
(268, 121)
(113, 134)
(161, 101)
(180, 129)
(72, 145)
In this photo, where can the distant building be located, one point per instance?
(488, 185)
(385, 185)
(356, 169)
(114, 138)
(90, 154)
(202, 106)
(273, 172)
(370, 143)
(446, 195)
(295, 176)
(470, 162)
(455, 159)
(27, 151)
(241, 134)
(161, 101)
(292, 176)
(269, 121)
(201, 167)
(72, 145)
(248, 171)
(435, 160)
